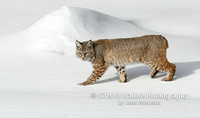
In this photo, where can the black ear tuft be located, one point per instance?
(78, 44)
(90, 44)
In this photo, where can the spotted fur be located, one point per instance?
(148, 49)
(122, 73)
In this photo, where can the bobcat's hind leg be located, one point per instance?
(170, 69)
(122, 73)
(167, 67)
(153, 73)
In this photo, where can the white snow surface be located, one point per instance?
(39, 71)
(182, 23)
(58, 30)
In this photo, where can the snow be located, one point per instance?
(58, 30)
(180, 23)
(39, 71)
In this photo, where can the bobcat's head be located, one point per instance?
(85, 50)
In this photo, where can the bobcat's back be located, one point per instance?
(131, 50)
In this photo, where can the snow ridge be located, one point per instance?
(58, 30)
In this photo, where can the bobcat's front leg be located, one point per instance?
(98, 70)
(122, 73)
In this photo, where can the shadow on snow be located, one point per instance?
(183, 69)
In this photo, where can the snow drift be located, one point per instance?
(179, 23)
(58, 30)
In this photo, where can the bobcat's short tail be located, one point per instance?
(165, 42)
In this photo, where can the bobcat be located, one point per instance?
(148, 49)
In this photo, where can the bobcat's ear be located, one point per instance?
(90, 44)
(78, 44)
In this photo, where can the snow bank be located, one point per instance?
(180, 23)
(58, 30)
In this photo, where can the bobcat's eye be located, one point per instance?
(86, 53)
(79, 54)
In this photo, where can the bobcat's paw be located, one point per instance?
(120, 81)
(85, 83)
(166, 79)
(153, 73)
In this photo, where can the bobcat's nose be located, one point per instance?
(83, 58)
